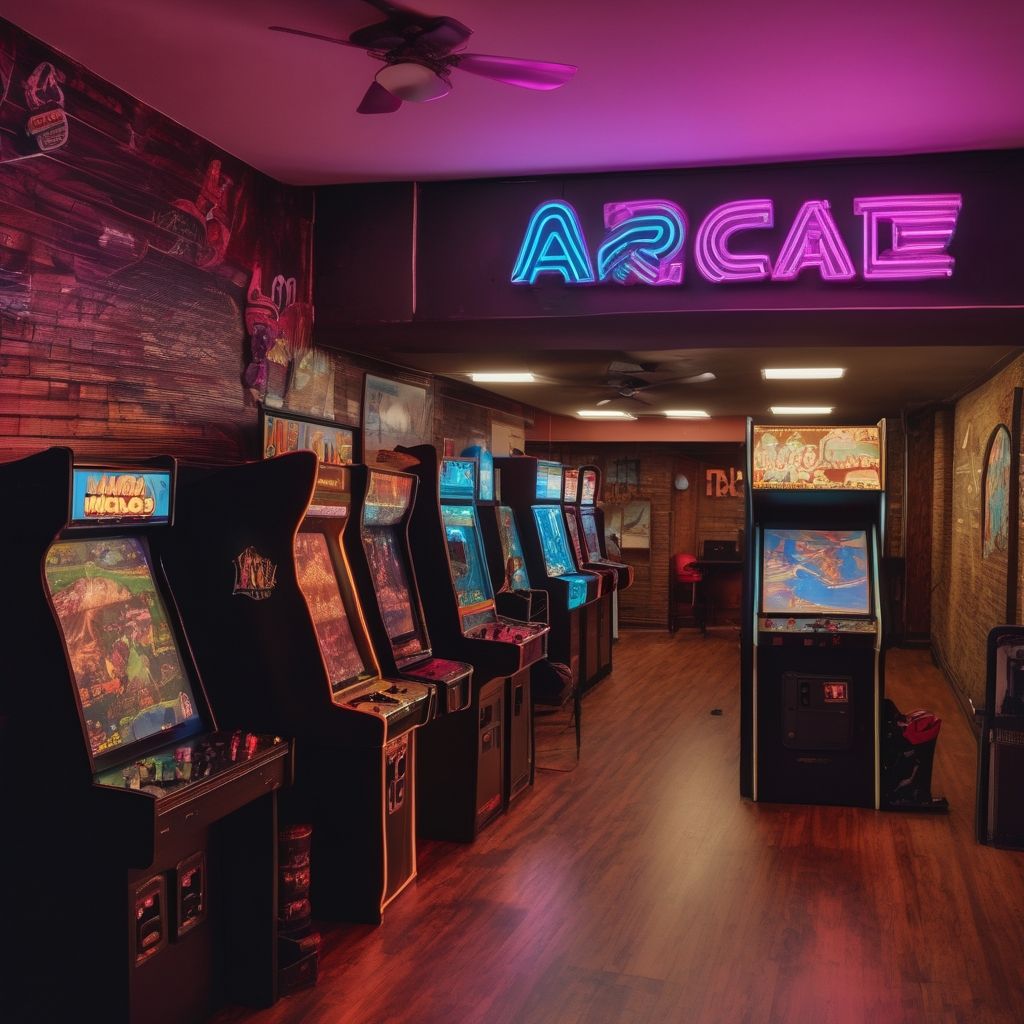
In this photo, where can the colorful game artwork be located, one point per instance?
(130, 678)
(811, 572)
(516, 577)
(319, 585)
(333, 445)
(816, 458)
(995, 526)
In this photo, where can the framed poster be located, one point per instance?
(995, 489)
(394, 413)
(636, 526)
(333, 443)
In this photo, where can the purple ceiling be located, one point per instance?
(661, 84)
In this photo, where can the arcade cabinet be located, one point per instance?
(591, 517)
(381, 562)
(465, 779)
(532, 488)
(143, 880)
(812, 659)
(603, 609)
(1000, 803)
(269, 597)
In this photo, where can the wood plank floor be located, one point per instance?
(641, 888)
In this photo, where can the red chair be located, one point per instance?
(682, 575)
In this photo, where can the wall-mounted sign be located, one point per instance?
(905, 237)
(816, 458)
(724, 483)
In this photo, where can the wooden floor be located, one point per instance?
(641, 888)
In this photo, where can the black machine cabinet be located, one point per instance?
(459, 792)
(812, 659)
(1000, 802)
(140, 862)
(532, 489)
(274, 614)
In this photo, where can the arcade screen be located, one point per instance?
(574, 536)
(319, 585)
(553, 540)
(815, 572)
(589, 487)
(129, 675)
(390, 582)
(387, 498)
(591, 536)
(458, 479)
(549, 480)
(570, 480)
(465, 556)
(512, 550)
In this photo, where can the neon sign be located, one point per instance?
(905, 237)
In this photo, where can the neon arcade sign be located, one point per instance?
(905, 238)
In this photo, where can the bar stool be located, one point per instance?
(682, 575)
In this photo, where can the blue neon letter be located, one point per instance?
(553, 244)
(644, 238)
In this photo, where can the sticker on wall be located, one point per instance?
(995, 520)
(255, 576)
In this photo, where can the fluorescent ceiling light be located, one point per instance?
(512, 377)
(603, 414)
(805, 373)
(801, 410)
(687, 414)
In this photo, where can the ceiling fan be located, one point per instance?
(420, 51)
(626, 380)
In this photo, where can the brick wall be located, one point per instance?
(969, 595)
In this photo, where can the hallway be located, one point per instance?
(641, 888)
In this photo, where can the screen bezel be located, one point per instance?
(869, 547)
(200, 723)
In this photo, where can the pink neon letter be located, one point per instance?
(711, 252)
(814, 241)
(922, 228)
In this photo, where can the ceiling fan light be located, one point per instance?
(604, 414)
(687, 414)
(412, 82)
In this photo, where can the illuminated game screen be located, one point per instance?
(486, 465)
(130, 678)
(465, 556)
(390, 581)
(319, 585)
(512, 550)
(549, 480)
(570, 481)
(574, 536)
(813, 572)
(589, 487)
(101, 495)
(553, 540)
(591, 537)
(458, 479)
(387, 498)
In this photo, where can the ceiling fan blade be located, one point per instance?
(312, 35)
(529, 74)
(604, 401)
(697, 378)
(377, 100)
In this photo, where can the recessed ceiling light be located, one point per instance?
(604, 414)
(512, 377)
(801, 410)
(804, 373)
(687, 414)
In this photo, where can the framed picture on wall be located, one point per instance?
(334, 443)
(636, 526)
(394, 413)
(995, 489)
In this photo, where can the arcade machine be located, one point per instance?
(573, 479)
(813, 661)
(592, 522)
(381, 563)
(450, 563)
(145, 860)
(272, 580)
(1000, 803)
(532, 488)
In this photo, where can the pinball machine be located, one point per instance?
(144, 871)
(288, 637)
(598, 657)
(466, 778)
(532, 488)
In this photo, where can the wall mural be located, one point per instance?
(133, 261)
(995, 519)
